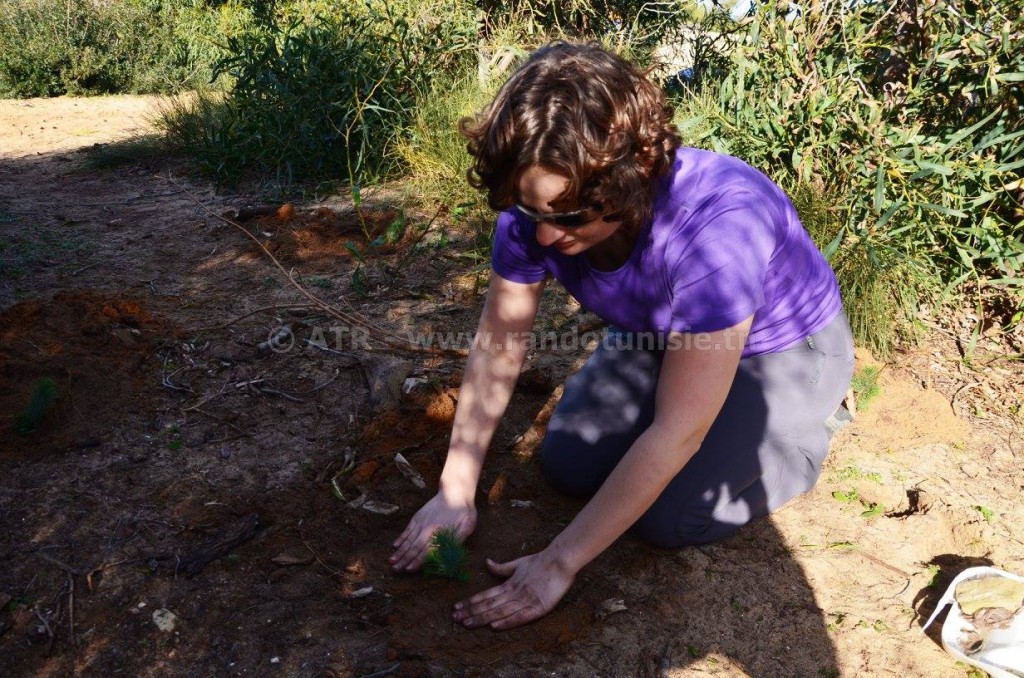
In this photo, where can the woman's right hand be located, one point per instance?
(412, 545)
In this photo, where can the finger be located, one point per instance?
(484, 602)
(467, 608)
(496, 615)
(406, 557)
(518, 618)
(402, 537)
(398, 545)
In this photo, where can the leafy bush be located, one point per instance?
(54, 47)
(907, 118)
(322, 96)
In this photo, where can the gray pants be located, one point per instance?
(766, 446)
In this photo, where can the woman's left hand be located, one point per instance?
(536, 583)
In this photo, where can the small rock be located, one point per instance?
(385, 377)
(359, 593)
(520, 503)
(164, 619)
(275, 660)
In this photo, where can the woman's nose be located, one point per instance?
(548, 234)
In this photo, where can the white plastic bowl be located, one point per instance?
(1002, 655)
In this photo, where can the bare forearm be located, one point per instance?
(487, 386)
(633, 486)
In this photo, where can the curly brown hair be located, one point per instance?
(583, 112)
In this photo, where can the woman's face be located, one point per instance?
(537, 189)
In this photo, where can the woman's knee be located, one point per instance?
(673, 526)
(675, 531)
(570, 465)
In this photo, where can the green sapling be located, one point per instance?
(447, 557)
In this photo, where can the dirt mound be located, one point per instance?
(321, 237)
(73, 367)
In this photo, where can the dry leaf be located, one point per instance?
(379, 507)
(409, 472)
(975, 594)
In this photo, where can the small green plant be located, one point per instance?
(174, 441)
(43, 398)
(872, 510)
(972, 672)
(447, 558)
(934, 571)
(842, 545)
(846, 497)
(865, 385)
(835, 620)
(986, 513)
(856, 473)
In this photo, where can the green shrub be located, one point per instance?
(322, 96)
(54, 47)
(916, 141)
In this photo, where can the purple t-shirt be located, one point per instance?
(724, 243)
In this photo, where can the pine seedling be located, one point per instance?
(447, 557)
(43, 397)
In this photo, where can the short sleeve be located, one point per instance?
(511, 257)
(717, 261)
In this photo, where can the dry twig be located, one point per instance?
(353, 319)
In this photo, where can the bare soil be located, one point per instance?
(183, 469)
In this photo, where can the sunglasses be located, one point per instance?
(564, 219)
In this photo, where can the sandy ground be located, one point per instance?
(174, 434)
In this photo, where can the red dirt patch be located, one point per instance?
(99, 351)
(319, 238)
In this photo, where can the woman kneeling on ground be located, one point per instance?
(705, 406)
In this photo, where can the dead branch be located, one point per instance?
(222, 544)
(318, 559)
(275, 307)
(279, 394)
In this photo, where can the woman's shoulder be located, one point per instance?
(699, 172)
(700, 178)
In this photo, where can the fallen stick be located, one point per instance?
(381, 334)
(222, 544)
